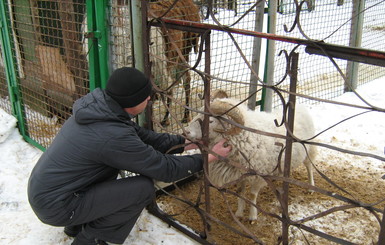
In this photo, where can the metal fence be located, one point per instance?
(53, 52)
(46, 64)
(335, 22)
(52, 47)
(4, 101)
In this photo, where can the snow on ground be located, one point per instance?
(18, 223)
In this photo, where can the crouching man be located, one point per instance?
(74, 184)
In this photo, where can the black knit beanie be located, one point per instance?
(128, 86)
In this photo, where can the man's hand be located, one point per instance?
(190, 145)
(222, 148)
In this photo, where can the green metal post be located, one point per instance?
(102, 37)
(97, 43)
(267, 94)
(10, 71)
(94, 74)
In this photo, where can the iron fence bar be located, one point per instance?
(368, 56)
(381, 237)
(205, 126)
(145, 54)
(326, 236)
(289, 145)
(157, 212)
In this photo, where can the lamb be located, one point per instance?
(251, 151)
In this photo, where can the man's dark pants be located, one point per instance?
(110, 209)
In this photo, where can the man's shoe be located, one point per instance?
(82, 239)
(72, 230)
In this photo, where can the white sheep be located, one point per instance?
(252, 150)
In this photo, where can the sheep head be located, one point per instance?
(221, 108)
(217, 126)
(219, 94)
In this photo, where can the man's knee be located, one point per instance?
(147, 189)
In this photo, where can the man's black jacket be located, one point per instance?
(93, 145)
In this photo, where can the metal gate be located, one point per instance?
(53, 52)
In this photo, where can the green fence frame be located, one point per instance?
(98, 57)
(98, 42)
(11, 73)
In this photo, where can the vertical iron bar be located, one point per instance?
(289, 143)
(381, 237)
(205, 127)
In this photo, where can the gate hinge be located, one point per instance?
(93, 34)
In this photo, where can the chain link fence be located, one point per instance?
(51, 50)
(50, 66)
(4, 101)
(54, 55)
(329, 21)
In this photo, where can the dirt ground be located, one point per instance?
(361, 177)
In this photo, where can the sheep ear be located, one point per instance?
(219, 94)
(220, 108)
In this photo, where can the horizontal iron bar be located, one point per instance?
(342, 52)
(368, 56)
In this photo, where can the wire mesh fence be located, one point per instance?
(120, 37)
(329, 21)
(4, 95)
(50, 46)
(373, 29)
(226, 66)
(226, 61)
(51, 66)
